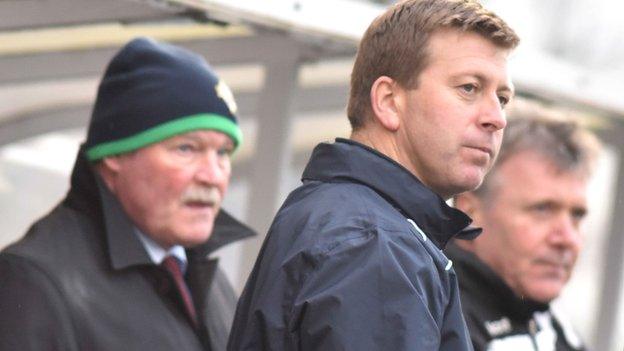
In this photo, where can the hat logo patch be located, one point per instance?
(224, 92)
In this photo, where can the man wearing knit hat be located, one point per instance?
(122, 262)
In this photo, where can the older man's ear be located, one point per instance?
(107, 168)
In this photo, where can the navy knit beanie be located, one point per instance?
(152, 91)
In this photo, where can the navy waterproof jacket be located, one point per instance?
(353, 261)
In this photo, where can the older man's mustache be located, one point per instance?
(208, 196)
(564, 259)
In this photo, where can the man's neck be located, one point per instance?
(386, 143)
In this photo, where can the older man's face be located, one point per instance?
(531, 235)
(173, 189)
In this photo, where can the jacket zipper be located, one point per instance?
(532, 332)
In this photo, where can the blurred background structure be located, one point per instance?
(288, 62)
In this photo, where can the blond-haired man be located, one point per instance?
(352, 260)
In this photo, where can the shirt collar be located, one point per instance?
(347, 160)
(157, 253)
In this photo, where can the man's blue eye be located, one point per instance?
(579, 214)
(542, 207)
(469, 88)
(185, 147)
(503, 100)
(224, 152)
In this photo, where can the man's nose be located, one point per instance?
(565, 231)
(492, 116)
(211, 168)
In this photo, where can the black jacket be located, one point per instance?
(346, 266)
(497, 319)
(80, 279)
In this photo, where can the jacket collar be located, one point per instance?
(481, 280)
(89, 194)
(347, 160)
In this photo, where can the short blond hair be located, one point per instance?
(395, 44)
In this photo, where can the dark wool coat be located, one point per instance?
(80, 279)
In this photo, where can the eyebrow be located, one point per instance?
(503, 88)
(188, 136)
(228, 143)
(507, 89)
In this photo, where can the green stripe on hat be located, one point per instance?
(167, 130)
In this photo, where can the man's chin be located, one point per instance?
(193, 243)
(545, 293)
(195, 236)
(470, 182)
(198, 213)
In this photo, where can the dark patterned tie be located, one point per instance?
(172, 265)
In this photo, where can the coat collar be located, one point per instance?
(89, 194)
(347, 160)
(475, 275)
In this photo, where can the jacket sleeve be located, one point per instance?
(370, 293)
(32, 313)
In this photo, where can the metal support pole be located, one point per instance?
(611, 289)
(272, 151)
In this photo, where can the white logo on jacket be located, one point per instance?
(498, 327)
(545, 338)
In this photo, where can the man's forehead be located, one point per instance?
(205, 135)
(533, 168)
(450, 43)
(455, 53)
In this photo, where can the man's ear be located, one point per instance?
(383, 96)
(108, 168)
(111, 164)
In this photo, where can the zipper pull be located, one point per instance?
(533, 332)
